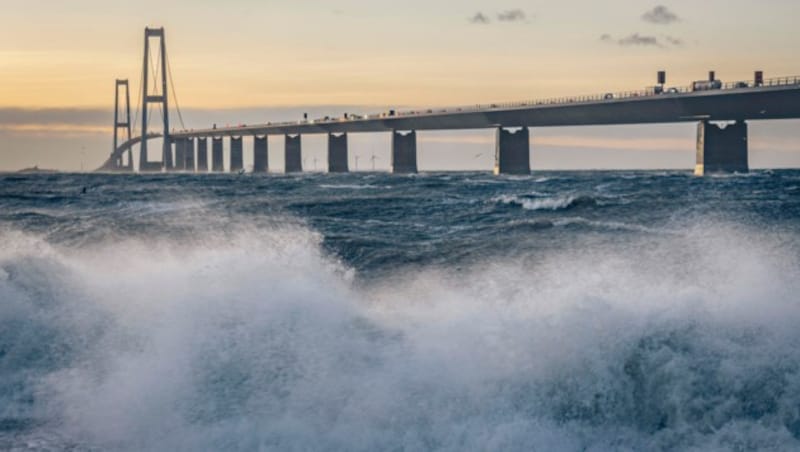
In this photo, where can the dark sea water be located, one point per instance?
(574, 311)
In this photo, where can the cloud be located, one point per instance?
(479, 18)
(636, 39)
(507, 16)
(660, 15)
(512, 15)
(677, 42)
(640, 40)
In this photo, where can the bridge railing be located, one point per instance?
(566, 100)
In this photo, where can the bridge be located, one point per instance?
(721, 111)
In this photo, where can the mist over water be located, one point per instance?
(561, 311)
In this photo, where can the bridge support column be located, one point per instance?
(237, 162)
(202, 155)
(217, 158)
(188, 153)
(151, 167)
(293, 154)
(167, 161)
(182, 163)
(404, 152)
(260, 155)
(143, 162)
(512, 152)
(180, 155)
(721, 150)
(337, 153)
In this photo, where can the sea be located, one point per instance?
(561, 311)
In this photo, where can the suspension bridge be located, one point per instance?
(721, 111)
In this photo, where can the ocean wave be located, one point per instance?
(612, 225)
(547, 203)
(257, 339)
(350, 186)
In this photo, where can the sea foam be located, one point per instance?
(258, 339)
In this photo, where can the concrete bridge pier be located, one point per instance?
(188, 153)
(337, 153)
(260, 155)
(721, 149)
(175, 151)
(404, 152)
(217, 158)
(166, 154)
(293, 154)
(180, 155)
(237, 159)
(202, 155)
(151, 167)
(182, 161)
(119, 163)
(512, 151)
(143, 163)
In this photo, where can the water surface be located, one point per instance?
(563, 311)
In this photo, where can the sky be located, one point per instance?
(246, 61)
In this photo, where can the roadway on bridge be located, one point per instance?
(766, 102)
(776, 99)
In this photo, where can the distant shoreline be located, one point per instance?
(37, 170)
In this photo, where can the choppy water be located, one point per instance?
(562, 311)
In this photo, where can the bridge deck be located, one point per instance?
(776, 99)
(766, 102)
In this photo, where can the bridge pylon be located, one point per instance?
(118, 162)
(156, 97)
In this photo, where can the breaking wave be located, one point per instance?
(538, 201)
(258, 339)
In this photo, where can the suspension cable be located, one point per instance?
(147, 89)
(174, 94)
(138, 100)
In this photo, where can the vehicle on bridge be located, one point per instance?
(705, 85)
